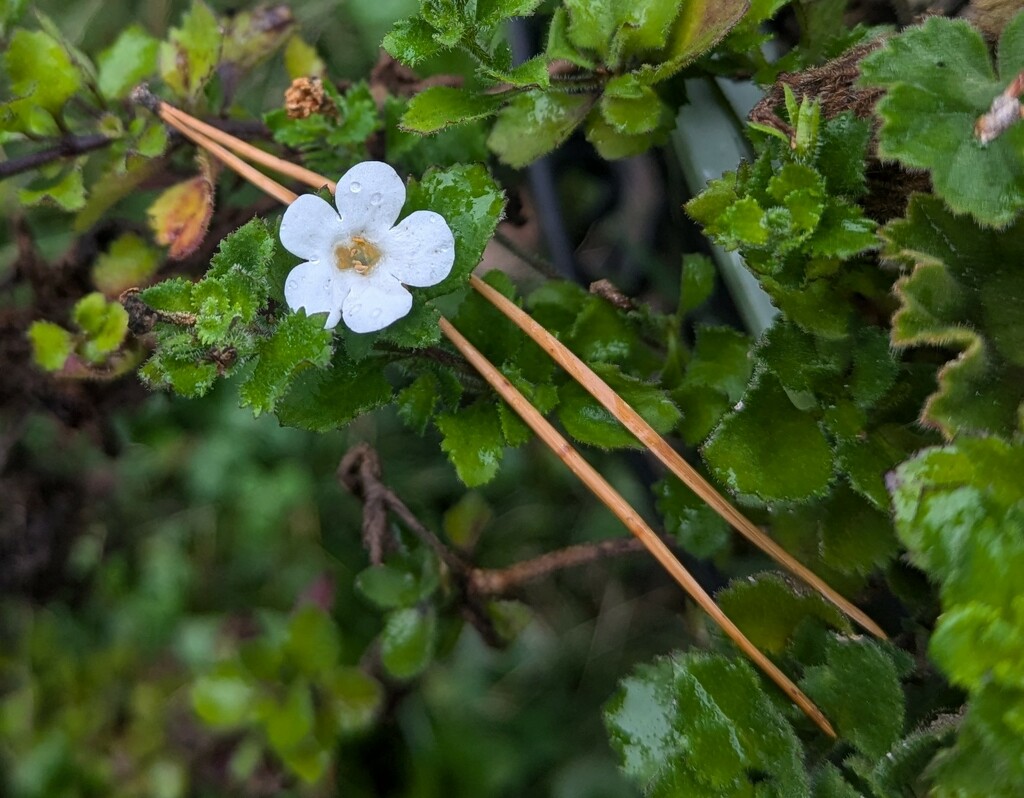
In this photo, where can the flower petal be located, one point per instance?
(374, 304)
(369, 197)
(310, 227)
(319, 288)
(420, 250)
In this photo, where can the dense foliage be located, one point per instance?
(199, 602)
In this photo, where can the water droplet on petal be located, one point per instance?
(355, 188)
(376, 313)
(327, 286)
(292, 285)
(355, 310)
(375, 199)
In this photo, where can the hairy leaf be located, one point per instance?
(962, 294)
(938, 81)
(769, 448)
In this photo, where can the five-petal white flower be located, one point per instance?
(357, 259)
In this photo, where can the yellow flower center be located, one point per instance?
(358, 254)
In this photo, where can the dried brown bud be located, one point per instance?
(304, 98)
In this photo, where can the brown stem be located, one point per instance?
(504, 581)
(66, 147)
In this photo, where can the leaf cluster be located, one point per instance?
(618, 54)
(289, 687)
(959, 511)
(939, 80)
(704, 724)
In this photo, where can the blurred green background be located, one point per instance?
(144, 536)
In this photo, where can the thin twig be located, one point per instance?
(503, 581)
(672, 460)
(66, 147)
(542, 265)
(614, 501)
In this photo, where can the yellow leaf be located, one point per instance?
(179, 217)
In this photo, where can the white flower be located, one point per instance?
(357, 259)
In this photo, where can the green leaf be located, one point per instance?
(904, 770)
(472, 203)
(697, 28)
(611, 143)
(854, 669)
(473, 441)
(251, 36)
(313, 645)
(959, 297)
(129, 262)
(438, 107)
(640, 112)
(408, 641)
(644, 25)
(535, 123)
(698, 281)
(701, 724)
(938, 81)
(602, 333)
(357, 699)
(697, 527)
(531, 73)
(416, 402)
(297, 341)
(173, 296)
(559, 45)
(323, 400)
(185, 376)
(588, 422)
(591, 24)
(289, 721)
(856, 537)
(124, 64)
(770, 449)
(40, 70)
(840, 157)
(222, 699)
(308, 761)
(715, 379)
(769, 611)
(189, 58)
(411, 41)
(104, 323)
(393, 586)
(65, 191)
(114, 185)
(52, 345)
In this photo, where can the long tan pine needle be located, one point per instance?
(600, 487)
(669, 457)
(615, 502)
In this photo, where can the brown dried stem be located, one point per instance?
(669, 457)
(614, 501)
